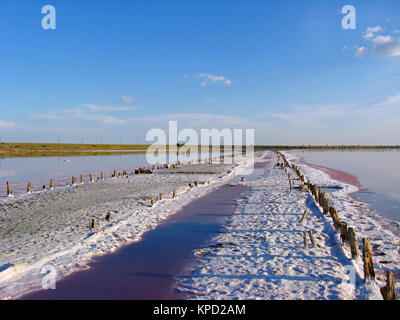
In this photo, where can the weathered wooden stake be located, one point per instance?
(344, 232)
(9, 192)
(161, 196)
(304, 216)
(91, 178)
(81, 178)
(312, 238)
(174, 194)
(108, 216)
(336, 221)
(353, 243)
(73, 180)
(102, 176)
(93, 223)
(388, 292)
(315, 193)
(369, 271)
(152, 201)
(326, 203)
(52, 184)
(115, 174)
(29, 187)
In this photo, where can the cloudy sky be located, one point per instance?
(112, 70)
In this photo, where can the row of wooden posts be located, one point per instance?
(174, 194)
(115, 174)
(347, 234)
(152, 200)
(91, 177)
(52, 185)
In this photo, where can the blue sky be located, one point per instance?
(112, 70)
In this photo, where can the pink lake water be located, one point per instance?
(147, 269)
(377, 172)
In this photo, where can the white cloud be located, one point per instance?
(7, 125)
(96, 108)
(321, 116)
(209, 78)
(78, 114)
(375, 29)
(360, 52)
(202, 120)
(382, 40)
(128, 99)
(379, 45)
(370, 33)
(387, 49)
(392, 100)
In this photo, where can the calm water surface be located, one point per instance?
(377, 171)
(39, 170)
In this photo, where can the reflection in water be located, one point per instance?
(39, 170)
(376, 170)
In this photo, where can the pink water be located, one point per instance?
(376, 173)
(147, 269)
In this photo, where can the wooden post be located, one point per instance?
(108, 216)
(388, 292)
(353, 243)
(52, 184)
(316, 194)
(93, 223)
(312, 238)
(115, 174)
(326, 203)
(195, 183)
(81, 178)
(336, 221)
(9, 192)
(344, 232)
(73, 180)
(369, 271)
(152, 201)
(161, 196)
(29, 187)
(305, 239)
(102, 176)
(304, 216)
(91, 178)
(173, 194)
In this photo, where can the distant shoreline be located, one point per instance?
(16, 150)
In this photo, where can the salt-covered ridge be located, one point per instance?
(53, 227)
(261, 253)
